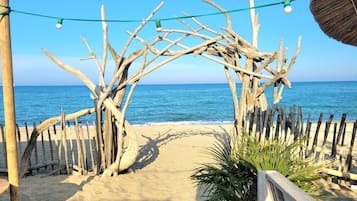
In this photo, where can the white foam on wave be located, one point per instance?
(185, 123)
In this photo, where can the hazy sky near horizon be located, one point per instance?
(321, 58)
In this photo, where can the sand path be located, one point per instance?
(168, 156)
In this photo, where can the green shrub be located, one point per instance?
(233, 175)
(227, 178)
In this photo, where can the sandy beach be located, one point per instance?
(168, 156)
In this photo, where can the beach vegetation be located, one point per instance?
(233, 174)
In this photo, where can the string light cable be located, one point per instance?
(285, 3)
(7, 11)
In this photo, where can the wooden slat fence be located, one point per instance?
(71, 147)
(63, 149)
(329, 141)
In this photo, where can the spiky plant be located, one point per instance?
(226, 178)
(233, 175)
(280, 156)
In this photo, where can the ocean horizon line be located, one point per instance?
(178, 83)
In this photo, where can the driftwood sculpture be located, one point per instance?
(118, 147)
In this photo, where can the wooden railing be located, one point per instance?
(272, 186)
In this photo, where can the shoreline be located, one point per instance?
(168, 156)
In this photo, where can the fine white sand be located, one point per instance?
(168, 157)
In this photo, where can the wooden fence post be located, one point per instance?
(8, 95)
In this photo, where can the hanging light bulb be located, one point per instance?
(287, 7)
(158, 25)
(59, 23)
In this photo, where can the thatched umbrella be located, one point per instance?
(337, 18)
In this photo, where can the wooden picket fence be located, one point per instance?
(71, 147)
(326, 142)
(67, 149)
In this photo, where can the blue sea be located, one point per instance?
(182, 103)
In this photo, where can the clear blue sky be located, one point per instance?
(321, 58)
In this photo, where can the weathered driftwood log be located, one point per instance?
(233, 49)
(42, 127)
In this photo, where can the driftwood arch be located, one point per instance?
(238, 56)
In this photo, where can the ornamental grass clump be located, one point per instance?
(227, 178)
(233, 175)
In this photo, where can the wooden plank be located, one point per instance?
(251, 122)
(340, 174)
(247, 122)
(44, 164)
(281, 186)
(4, 143)
(43, 148)
(307, 133)
(100, 156)
(348, 164)
(277, 128)
(96, 149)
(265, 122)
(314, 145)
(84, 148)
(297, 126)
(269, 122)
(340, 130)
(300, 131)
(56, 139)
(261, 124)
(255, 120)
(65, 147)
(263, 194)
(71, 144)
(343, 134)
(35, 147)
(283, 123)
(327, 129)
(90, 147)
(292, 121)
(333, 146)
(79, 146)
(107, 138)
(115, 140)
(339, 151)
(28, 139)
(60, 141)
(19, 139)
(51, 146)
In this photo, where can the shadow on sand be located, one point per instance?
(31, 188)
(149, 152)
